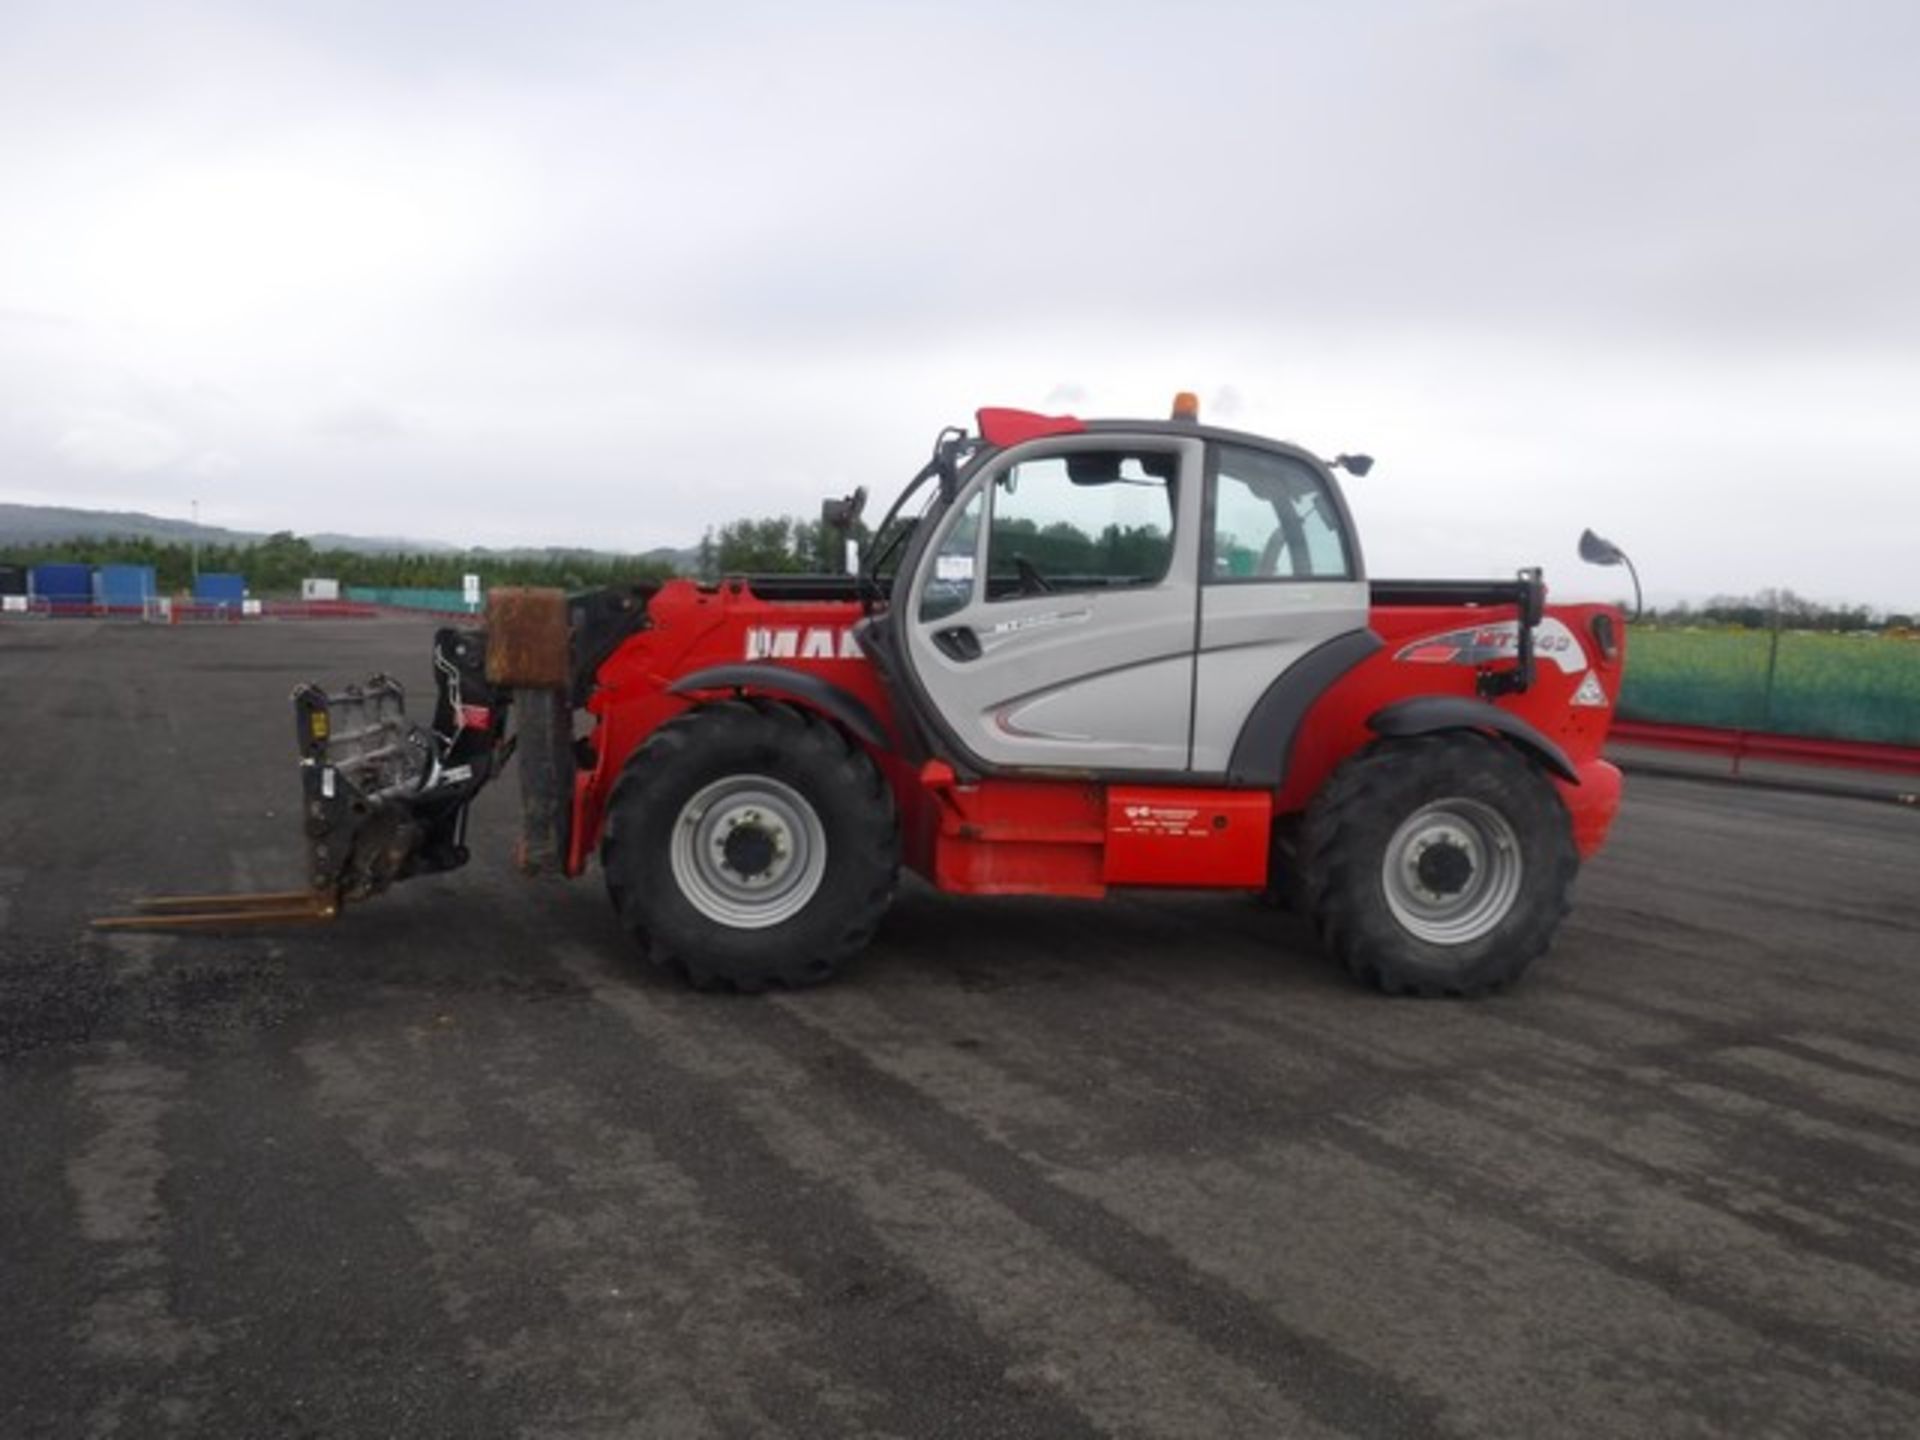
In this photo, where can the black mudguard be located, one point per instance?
(767, 678)
(1427, 713)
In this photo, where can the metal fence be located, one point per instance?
(452, 601)
(1859, 686)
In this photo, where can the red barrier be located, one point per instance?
(207, 612)
(319, 610)
(1738, 745)
(471, 617)
(194, 612)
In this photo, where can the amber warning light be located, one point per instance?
(1186, 406)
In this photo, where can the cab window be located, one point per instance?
(1085, 520)
(949, 584)
(1273, 519)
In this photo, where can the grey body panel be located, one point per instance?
(1254, 628)
(1264, 748)
(1249, 634)
(1095, 679)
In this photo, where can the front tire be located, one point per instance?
(1439, 865)
(749, 843)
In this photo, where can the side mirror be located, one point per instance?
(1596, 551)
(1355, 465)
(843, 514)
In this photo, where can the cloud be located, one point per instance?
(1225, 403)
(614, 280)
(362, 422)
(116, 444)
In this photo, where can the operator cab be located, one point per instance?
(1117, 597)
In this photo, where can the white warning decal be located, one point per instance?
(1590, 692)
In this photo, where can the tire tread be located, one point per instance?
(1339, 866)
(775, 732)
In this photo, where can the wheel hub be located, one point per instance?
(1444, 867)
(1452, 870)
(748, 851)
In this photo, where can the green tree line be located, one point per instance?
(1778, 606)
(277, 564)
(1062, 549)
(775, 545)
(782, 545)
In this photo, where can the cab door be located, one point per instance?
(1053, 611)
(1280, 575)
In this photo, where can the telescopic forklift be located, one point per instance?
(1077, 656)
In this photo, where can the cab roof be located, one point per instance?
(1001, 427)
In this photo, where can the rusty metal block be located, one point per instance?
(527, 638)
(544, 719)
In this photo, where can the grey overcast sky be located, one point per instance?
(607, 273)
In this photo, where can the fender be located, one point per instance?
(766, 678)
(1428, 713)
(1264, 747)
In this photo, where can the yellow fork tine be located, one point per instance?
(264, 899)
(211, 912)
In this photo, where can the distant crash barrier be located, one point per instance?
(165, 610)
(1739, 745)
(319, 610)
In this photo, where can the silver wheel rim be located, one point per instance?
(748, 851)
(1452, 871)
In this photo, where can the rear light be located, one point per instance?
(1606, 637)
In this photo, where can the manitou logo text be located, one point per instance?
(816, 642)
(1160, 820)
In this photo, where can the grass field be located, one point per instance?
(1852, 687)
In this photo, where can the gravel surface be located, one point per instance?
(456, 1165)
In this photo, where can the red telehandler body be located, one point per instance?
(1103, 654)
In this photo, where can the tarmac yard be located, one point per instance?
(460, 1165)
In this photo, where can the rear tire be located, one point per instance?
(1439, 865)
(750, 843)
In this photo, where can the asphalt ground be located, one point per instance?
(458, 1166)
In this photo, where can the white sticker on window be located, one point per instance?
(953, 567)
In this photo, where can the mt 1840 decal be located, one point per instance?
(1484, 644)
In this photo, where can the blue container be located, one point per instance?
(220, 589)
(63, 584)
(129, 586)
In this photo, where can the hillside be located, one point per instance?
(55, 524)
